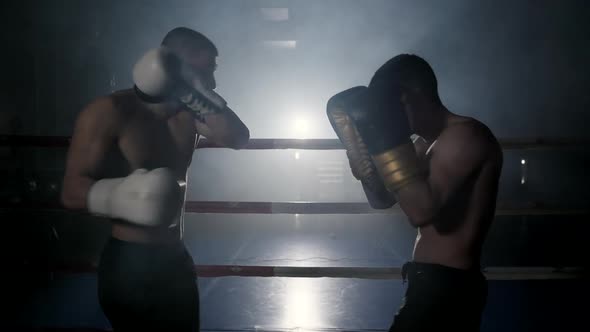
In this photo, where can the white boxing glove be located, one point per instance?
(160, 74)
(157, 73)
(146, 198)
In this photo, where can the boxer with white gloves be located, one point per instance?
(161, 75)
(146, 198)
(128, 161)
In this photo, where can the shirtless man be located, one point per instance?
(128, 162)
(446, 183)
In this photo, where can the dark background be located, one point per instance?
(521, 67)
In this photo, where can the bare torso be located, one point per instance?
(149, 141)
(456, 236)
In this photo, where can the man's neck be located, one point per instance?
(432, 122)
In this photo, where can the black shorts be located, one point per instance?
(441, 298)
(148, 287)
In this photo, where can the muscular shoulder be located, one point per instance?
(108, 112)
(469, 138)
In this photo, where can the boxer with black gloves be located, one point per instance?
(128, 162)
(447, 190)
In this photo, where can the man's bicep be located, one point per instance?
(94, 133)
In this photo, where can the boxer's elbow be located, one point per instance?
(420, 203)
(239, 139)
(72, 198)
(420, 212)
(418, 223)
(421, 217)
(69, 201)
(381, 204)
(223, 133)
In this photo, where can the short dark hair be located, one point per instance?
(411, 72)
(181, 38)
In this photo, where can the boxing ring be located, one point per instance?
(504, 273)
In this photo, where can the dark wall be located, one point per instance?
(521, 67)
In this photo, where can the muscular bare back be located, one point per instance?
(455, 235)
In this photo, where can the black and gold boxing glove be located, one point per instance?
(342, 110)
(386, 131)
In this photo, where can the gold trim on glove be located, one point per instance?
(398, 167)
(361, 164)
